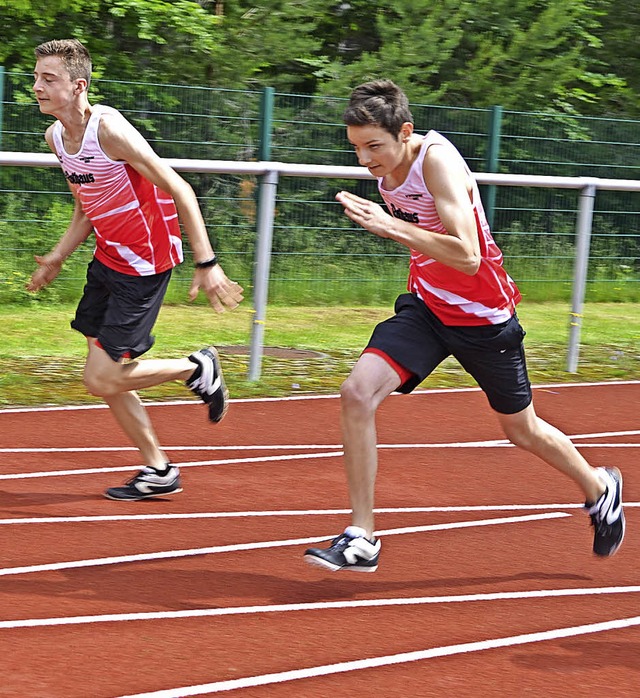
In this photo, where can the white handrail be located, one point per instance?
(270, 171)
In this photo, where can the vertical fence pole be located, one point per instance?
(266, 123)
(584, 225)
(266, 211)
(267, 189)
(2, 78)
(493, 158)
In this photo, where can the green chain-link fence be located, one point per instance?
(318, 257)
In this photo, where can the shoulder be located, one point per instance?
(438, 159)
(111, 121)
(444, 168)
(442, 154)
(118, 137)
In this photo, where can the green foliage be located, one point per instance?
(522, 55)
(566, 58)
(569, 56)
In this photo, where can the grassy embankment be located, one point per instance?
(41, 358)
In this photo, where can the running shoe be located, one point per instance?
(351, 550)
(147, 483)
(607, 515)
(207, 382)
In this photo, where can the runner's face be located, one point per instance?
(53, 87)
(376, 149)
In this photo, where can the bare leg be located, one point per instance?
(104, 377)
(132, 417)
(116, 383)
(369, 383)
(528, 431)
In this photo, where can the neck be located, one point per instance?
(74, 120)
(411, 150)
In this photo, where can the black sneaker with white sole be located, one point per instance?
(351, 550)
(147, 483)
(607, 515)
(207, 382)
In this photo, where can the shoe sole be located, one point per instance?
(225, 392)
(622, 518)
(624, 523)
(142, 496)
(326, 565)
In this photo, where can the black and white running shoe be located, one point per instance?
(207, 382)
(147, 483)
(349, 551)
(607, 515)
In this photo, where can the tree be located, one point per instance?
(519, 54)
(620, 55)
(559, 55)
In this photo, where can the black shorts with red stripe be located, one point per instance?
(120, 310)
(416, 341)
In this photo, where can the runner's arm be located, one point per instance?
(122, 141)
(448, 183)
(49, 265)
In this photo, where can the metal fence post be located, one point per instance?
(584, 224)
(2, 79)
(266, 123)
(266, 209)
(493, 158)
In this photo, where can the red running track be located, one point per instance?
(487, 585)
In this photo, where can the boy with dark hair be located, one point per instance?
(461, 302)
(131, 200)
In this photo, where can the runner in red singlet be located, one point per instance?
(461, 302)
(131, 200)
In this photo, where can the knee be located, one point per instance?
(98, 385)
(355, 398)
(520, 435)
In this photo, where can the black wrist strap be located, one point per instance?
(207, 263)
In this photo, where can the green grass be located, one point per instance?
(41, 358)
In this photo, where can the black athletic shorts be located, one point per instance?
(120, 310)
(492, 354)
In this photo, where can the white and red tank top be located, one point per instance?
(135, 223)
(486, 298)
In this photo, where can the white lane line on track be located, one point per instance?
(429, 391)
(194, 464)
(115, 518)
(315, 606)
(291, 398)
(501, 443)
(171, 554)
(209, 447)
(402, 658)
(309, 447)
(491, 443)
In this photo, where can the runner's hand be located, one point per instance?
(368, 214)
(49, 266)
(223, 294)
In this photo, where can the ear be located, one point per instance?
(81, 86)
(406, 131)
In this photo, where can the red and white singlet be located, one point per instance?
(486, 298)
(135, 223)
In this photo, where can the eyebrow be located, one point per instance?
(369, 142)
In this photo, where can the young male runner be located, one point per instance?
(131, 200)
(461, 302)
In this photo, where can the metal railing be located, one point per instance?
(269, 173)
